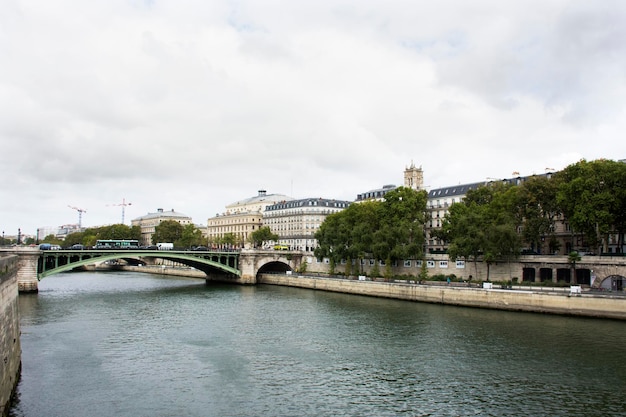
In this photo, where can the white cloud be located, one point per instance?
(193, 105)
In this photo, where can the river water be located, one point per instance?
(131, 344)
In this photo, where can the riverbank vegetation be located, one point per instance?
(495, 222)
(88, 237)
(385, 230)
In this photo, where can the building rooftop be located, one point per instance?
(160, 213)
(462, 189)
(260, 197)
(377, 193)
(308, 202)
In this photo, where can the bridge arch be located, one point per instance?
(222, 263)
(274, 266)
(613, 283)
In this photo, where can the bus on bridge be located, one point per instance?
(117, 244)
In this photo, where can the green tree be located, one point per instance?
(261, 236)
(89, 236)
(229, 240)
(348, 234)
(400, 234)
(484, 224)
(118, 231)
(592, 198)
(463, 230)
(190, 236)
(538, 211)
(386, 231)
(52, 239)
(572, 258)
(167, 231)
(73, 239)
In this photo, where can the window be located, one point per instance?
(407, 263)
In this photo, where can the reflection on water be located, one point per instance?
(127, 344)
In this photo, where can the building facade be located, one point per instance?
(296, 221)
(440, 200)
(150, 221)
(242, 218)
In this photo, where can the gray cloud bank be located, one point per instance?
(192, 105)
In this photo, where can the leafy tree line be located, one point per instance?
(190, 236)
(88, 237)
(186, 236)
(387, 231)
(495, 221)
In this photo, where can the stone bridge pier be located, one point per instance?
(253, 262)
(27, 269)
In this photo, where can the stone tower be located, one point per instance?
(413, 177)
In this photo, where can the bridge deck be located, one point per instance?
(55, 261)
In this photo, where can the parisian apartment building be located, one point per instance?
(148, 222)
(296, 221)
(242, 218)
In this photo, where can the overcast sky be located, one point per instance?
(194, 104)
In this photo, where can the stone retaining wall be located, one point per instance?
(11, 353)
(515, 300)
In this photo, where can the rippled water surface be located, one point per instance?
(129, 344)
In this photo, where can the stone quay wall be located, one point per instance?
(588, 305)
(11, 359)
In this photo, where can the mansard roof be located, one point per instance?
(455, 190)
(260, 197)
(160, 213)
(462, 189)
(377, 193)
(305, 202)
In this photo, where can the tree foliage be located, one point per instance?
(494, 220)
(169, 231)
(89, 236)
(592, 197)
(190, 237)
(483, 225)
(386, 231)
(261, 236)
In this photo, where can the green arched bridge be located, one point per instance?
(234, 266)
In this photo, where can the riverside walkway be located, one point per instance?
(553, 300)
